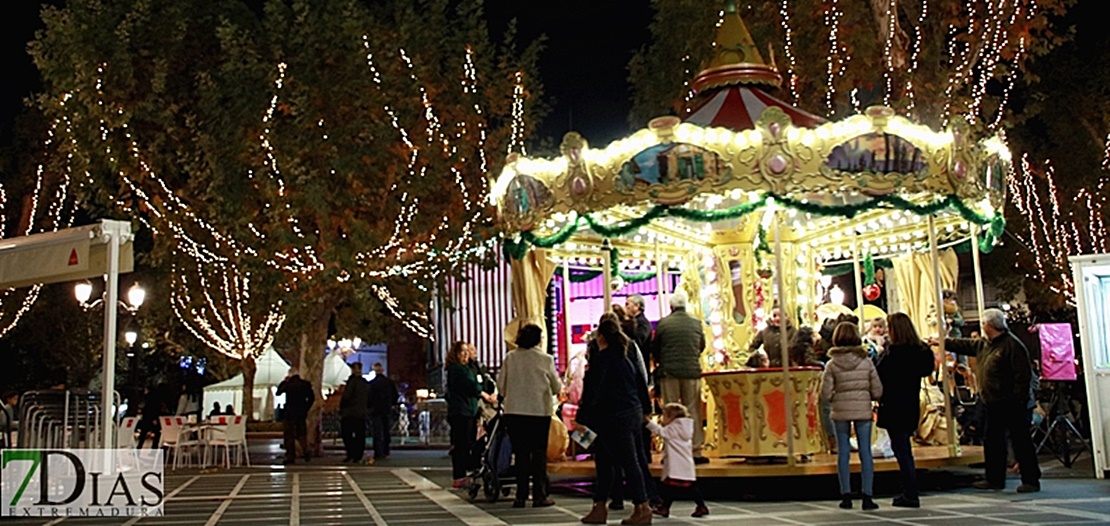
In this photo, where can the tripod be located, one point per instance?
(1057, 430)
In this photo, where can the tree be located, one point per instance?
(214, 303)
(335, 152)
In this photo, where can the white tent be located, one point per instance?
(272, 369)
(336, 371)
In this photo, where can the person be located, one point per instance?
(850, 384)
(1005, 372)
(216, 411)
(383, 400)
(758, 360)
(641, 328)
(229, 410)
(901, 367)
(801, 349)
(643, 455)
(527, 383)
(7, 419)
(299, 397)
(876, 338)
(353, 410)
(679, 472)
(148, 418)
(770, 337)
(188, 403)
(463, 392)
(612, 405)
(677, 346)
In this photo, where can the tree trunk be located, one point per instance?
(313, 335)
(250, 367)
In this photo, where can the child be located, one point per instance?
(678, 459)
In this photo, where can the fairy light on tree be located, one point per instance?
(213, 301)
(339, 154)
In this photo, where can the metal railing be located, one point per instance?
(56, 419)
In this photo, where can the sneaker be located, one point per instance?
(869, 504)
(902, 501)
(1029, 488)
(545, 502)
(982, 484)
(845, 501)
(662, 512)
(700, 511)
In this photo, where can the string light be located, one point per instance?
(788, 49)
(834, 65)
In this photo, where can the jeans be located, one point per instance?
(844, 449)
(1012, 417)
(464, 431)
(379, 426)
(616, 445)
(903, 451)
(619, 478)
(529, 439)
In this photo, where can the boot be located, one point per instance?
(846, 501)
(598, 514)
(640, 515)
(869, 504)
(700, 511)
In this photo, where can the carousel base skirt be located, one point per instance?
(926, 457)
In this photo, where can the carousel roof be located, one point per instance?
(739, 107)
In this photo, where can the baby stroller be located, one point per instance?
(493, 454)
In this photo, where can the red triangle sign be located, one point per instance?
(73, 257)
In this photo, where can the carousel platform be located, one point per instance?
(926, 457)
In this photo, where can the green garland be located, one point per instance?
(868, 270)
(994, 224)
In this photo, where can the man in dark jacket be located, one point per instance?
(770, 338)
(383, 399)
(1004, 371)
(353, 410)
(677, 347)
(298, 400)
(641, 332)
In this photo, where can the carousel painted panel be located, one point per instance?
(751, 413)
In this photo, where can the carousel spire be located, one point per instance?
(737, 60)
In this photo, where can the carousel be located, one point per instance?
(747, 204)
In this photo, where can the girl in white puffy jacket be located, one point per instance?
(679, 473)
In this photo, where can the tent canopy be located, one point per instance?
(272, 369)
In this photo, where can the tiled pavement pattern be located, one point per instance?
(400, 491)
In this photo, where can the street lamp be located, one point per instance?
(83, 292)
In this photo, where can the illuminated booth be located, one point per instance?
(741, 206)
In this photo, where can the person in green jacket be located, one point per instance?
(463, 392)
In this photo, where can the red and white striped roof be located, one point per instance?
(738, 107)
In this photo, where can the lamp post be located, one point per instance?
(82, 291)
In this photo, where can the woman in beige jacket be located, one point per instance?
(850, 384)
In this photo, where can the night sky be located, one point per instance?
(584, 66)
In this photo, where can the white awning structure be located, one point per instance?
(100, 250)
(271, 370)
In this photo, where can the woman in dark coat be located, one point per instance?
(901, 367)
(614, 399)
(463, 392)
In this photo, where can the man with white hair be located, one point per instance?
(677, 347)
(1004, 371)
(634, 307)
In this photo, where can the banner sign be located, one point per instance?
(81, 483)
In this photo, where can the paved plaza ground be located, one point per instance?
(413, 487)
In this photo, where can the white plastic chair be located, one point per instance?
(227, 432)
(125, 433)
(175, 437)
